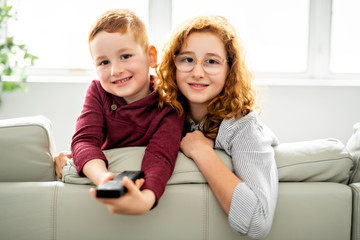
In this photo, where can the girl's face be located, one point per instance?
(205, 52)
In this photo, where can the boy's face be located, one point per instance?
(122, 65)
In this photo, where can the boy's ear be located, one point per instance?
(153, 56)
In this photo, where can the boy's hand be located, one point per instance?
(106, 177)
(60, 162)
(134, 202)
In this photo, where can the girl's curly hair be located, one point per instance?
(238, 95)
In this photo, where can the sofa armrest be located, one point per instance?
(355, 187)
(353, 145)
(27, 150)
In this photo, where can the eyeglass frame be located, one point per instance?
(196, 61)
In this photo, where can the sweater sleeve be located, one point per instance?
(89, 131)
(253, 203)
(161, 153)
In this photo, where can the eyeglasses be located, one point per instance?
(211, 64)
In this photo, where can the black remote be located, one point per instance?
(115, 187)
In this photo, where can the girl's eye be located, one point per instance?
(125, 56)
(212, 61)
(105, 62)
(187, 59)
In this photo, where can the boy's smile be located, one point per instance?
(122, 65)
(121, 82)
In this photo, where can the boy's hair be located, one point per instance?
(238, 95)
(121, 21)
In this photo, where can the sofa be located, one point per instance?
(319, 188)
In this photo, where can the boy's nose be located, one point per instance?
(117, 68)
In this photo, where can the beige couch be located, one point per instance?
(318, 193)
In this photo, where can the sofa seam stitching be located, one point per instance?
(354, 231)
(206, 211)
(310, 162)
(54, 210)
(203, 208)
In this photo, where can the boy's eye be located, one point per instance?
(105, 62)
(125, 56)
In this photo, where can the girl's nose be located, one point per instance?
(198, 70)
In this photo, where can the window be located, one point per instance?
(274, 33)
(57, 31)
(345, 37)
(284, 39)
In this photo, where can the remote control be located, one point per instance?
(115, 187)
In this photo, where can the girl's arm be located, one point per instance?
(220, 178)
(249, 199)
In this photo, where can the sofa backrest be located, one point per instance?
(26, 150)
(323, 160)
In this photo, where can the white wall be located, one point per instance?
(294, 113)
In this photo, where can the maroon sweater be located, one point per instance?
(107, 122)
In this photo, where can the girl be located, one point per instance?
(203, 73)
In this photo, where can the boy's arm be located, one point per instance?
(161, 153)
(89, 134)
(96, 171)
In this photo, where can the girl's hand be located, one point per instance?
(60, 162)
(195, 143)
(134, 202)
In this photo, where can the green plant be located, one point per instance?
(10, 54)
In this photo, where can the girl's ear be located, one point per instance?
(153, 56)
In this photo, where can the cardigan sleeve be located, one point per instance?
(89, 131)
(250, 144)
(161, 153)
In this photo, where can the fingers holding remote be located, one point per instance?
(130, 184)
(106, 177)
(134, 202)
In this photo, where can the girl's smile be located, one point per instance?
(198, 86)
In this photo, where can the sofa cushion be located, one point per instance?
(353, 146)
(323, 160)
(27, 150)
(129, 158)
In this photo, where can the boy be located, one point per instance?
(121, 110)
